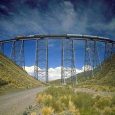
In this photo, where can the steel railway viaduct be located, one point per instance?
(68, 69)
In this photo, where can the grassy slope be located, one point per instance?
(13, 77)
(108, 73)
(104, 77)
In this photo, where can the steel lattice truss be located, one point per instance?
(2, 47)
(108, 49)
(113, 48)
(41, 61)
(92, 60)
(68, 61)
(17, 53)
(68, 70)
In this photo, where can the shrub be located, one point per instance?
(108, 111)
(72, 108)
(43, 98)
(103, 102)
(47, 111)
(113, 101)
(25, 113)
(39, 98)
(82, 100)
(65, 100)
(47, 99)
(33, 113)
(58, 106)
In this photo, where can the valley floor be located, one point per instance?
(16, 103)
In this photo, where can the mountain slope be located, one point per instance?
(106, 76)
(12, 76)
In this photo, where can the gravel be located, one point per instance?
(16, 103)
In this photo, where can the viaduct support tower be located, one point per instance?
(17, 53)
(68, 69)
(2, 47)
(92, 60)
(41, 60)
(109, 49)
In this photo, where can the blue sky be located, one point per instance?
(24, 17)
(27, 17)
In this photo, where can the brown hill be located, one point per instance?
(14, 77)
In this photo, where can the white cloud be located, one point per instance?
(54, 73)
(30, 69)
(69, 16)
(87, 68)
(79, 70)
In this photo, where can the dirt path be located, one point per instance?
(15, 103)
(91, 91)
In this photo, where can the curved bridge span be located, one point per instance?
(68, 70)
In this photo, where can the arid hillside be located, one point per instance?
(14, 77)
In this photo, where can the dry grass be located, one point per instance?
(12, 76)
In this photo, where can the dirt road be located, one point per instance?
(15, 103)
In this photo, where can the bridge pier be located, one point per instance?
(17, 53)
(113, 48)
(41, 60)
(68, 69)
(2, 47)
(92, 59)
(87, 60)
(108, 49)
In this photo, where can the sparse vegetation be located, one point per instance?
(14, 77)
(104, 79)
(47, 110)
(65, 101)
